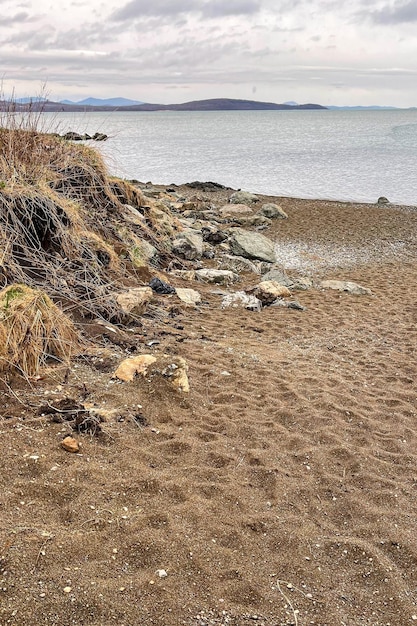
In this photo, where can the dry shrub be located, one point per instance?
(62, 218)
(34, 330)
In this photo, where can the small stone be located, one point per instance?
(70, 444)
(67, 589)
(161, 573)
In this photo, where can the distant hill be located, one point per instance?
(361, 108)
(107, 102)
(223, 104)
(215, 104)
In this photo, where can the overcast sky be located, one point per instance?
(325, 51)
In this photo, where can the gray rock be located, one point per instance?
(252, 245)
(188, 245)
(279, 275)
(237, 264)
(347, 286)
(243, 197)
(303, 283)
(382, 200)
(259, 221)
(273, 211)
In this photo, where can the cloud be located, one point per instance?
(23, 16)
(397, 13)
(137, 9)
(219, 8)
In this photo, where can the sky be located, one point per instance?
(358, 52)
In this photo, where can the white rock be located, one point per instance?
(347, 286)
(188, 296)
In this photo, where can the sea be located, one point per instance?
(325, 154)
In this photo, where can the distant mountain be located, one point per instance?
(292, 103)
(107, 102)
(29, 100)
(215, 104)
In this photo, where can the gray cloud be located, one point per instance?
(19, 18)
(219, 8)
(143, 8)
(137, 9)
(397, 13)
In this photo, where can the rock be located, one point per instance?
(273, 211)
(99, 137)
(242, 300)
(279, 275)
(383, 200)
(268, 291)
(188, 245)
(129, 368)
(293, 304)
(174, 368)
(216, 276)
(205, 186)
(243, 197)
(213, 235)
(303, 283)
(252, 245)
(71, 136)
(70, 444)
(235, 210)
(161, 287)
(257, 220)
(134, 302)
(237, 264)
(208, 251)
(188, 296)
(188, 275)
(347, 286)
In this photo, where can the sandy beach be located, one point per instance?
(280, 491)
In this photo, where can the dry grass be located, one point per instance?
(61, 218)
(32, 330)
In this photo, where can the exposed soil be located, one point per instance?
(281, 490)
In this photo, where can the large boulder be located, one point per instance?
(252, 245)
(243, 197)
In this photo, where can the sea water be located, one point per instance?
(338, 155)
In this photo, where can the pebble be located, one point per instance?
(161, 573)
(67, 589)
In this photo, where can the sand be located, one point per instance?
(281, 490)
